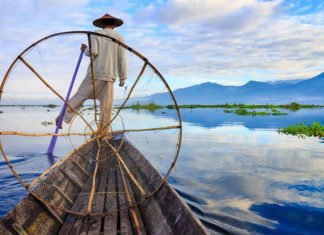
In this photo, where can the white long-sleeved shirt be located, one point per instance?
(109, 57)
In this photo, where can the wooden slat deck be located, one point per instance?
(163, 213)
(118, 223)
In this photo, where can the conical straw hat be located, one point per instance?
(107, 20)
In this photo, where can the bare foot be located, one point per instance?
(57, 120)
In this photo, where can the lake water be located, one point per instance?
(235, 172)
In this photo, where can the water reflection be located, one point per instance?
(235, 172)
(51, 159)
(216, 117)
(234, 168)
(293, 218)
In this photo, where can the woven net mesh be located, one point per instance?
(89, 174)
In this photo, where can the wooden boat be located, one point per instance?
(164, 212)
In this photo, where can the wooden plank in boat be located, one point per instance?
(31, 215)
(82, 223)
(125, 224)
(110, 221)
(80, 204)
(68, 173)
(93, 226)
(152, 216)
(135, 208)
(24, 214)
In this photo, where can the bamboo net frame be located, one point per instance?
(93, 79)
(97, 134)
(84, 134)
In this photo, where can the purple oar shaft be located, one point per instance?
(54, 138)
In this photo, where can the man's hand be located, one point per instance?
(121, 84)
(83, 47)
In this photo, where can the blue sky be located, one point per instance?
(189, 41)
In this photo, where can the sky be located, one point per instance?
(190, 41)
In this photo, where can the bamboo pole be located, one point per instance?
(93, 183)
(180, 124)
(53, 90)
(140, 130)
(129, 130)
(40, 134)
(93, 79)
(127, 170)
(56, 93)
(10, 166)
(97, 137)
(57, 163)
(131, 175)
(98, 126)
(88, 133)
(129, 199)
(148, 129)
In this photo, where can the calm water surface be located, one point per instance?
(235, 172)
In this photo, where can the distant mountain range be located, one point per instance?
(307, 91)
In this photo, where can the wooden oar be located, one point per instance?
(54, 138)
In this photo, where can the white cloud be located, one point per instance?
(232, 39)
(190, 41)
(221, 13)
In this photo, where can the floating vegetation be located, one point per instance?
(151, 106)
(292, 106)
(194, 106)
(51, 106)
(1, 111)
(90, 108)
(301, 130)
(46, 123)
(241, 111)
(23, 106)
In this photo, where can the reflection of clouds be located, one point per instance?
(227, 169)
(226, 200)
(158, 146)
(237, 167)
(285, 195)
(255, 150)
(238, 208)
(242, 204)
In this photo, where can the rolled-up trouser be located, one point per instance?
(105, 94)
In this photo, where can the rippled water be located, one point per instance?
(235, 172)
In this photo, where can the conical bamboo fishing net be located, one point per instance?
(98, 176)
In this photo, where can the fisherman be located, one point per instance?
(109, 62)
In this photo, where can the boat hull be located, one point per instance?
(162, 212)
